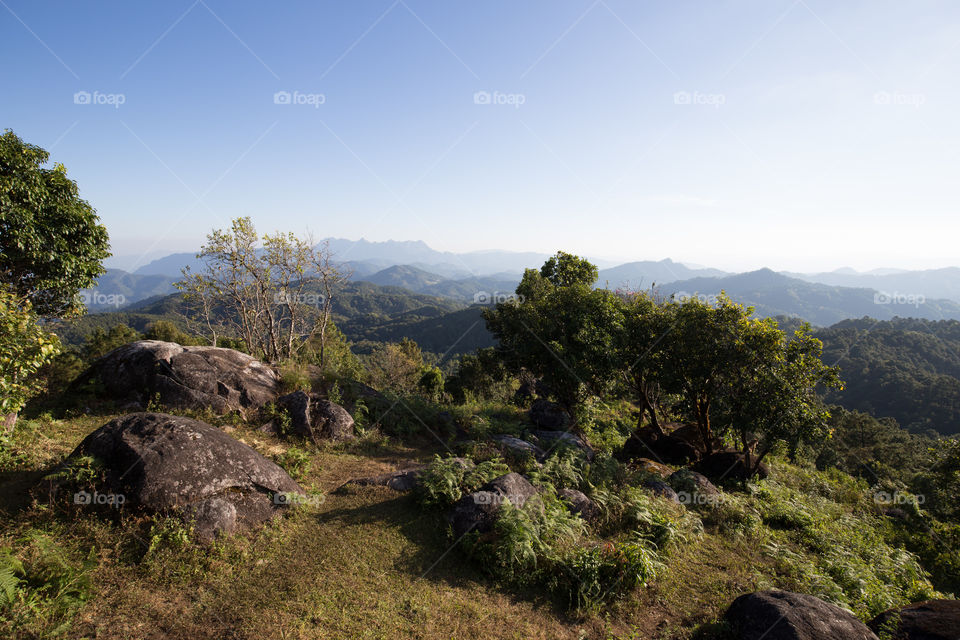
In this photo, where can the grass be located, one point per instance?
(367, 562)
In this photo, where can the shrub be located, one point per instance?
(446, 480)
(590, 577)
(295, 461)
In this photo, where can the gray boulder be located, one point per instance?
(165, 463)
(548, 415)
(693, 488)
(579, 503)
(517, 445)
(930, 620)
(313, 417)
(182, 377)
(662, 489)
(552, 439)
(783, 615)
(478, 510)
(397, 480)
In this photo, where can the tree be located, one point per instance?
(51, 242)
(263, 290)
(559, 329)
(775, 399)
(24, 348)
(642, 335)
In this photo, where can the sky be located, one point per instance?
(802, 135)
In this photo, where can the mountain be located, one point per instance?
(170, 265)
(117, 288)
(774, 294)
(642, 275)
(406, 276)
(906, 369)
(930, 283)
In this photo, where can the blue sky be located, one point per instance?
(795, 134)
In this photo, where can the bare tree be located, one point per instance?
(272, 292)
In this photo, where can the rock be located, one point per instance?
(690, 434)
(182, 377)
(518, 445)
(727, 465)
(396, 480)
(313, 417)
(549, 440)
(548, 415)
(478, 511)
(580, 503)
(654, 468)
(664, 449)
(930, 620)
(782, 615)
(165, 463)
(693, 488)
(662, 489)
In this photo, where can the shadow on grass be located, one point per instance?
(438, 557)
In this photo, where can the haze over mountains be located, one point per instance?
(487, 276)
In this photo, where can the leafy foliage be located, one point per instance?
(51, 242)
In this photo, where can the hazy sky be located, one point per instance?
(803, 135)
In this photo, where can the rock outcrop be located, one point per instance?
(181, 377)
(783, 615)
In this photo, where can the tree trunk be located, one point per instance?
(703, 424)
(9, 421)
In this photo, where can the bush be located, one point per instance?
(446, 480)
(588, 578)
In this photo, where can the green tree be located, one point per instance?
(642, 334)
(24, 348)
(560, 329)
(51, 242)
(102, 342)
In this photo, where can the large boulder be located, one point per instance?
(478, 510)
(930, 620)
(551, 440)
(666, 449)
(693, 489)
(181, 377)
(579, 503)
(516, 445)
(728, 465)
(783, 615)
(548, 415)
(311, 416)
(172, 464)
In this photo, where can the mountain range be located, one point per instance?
(488, 276)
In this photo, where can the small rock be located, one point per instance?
(580, 503)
